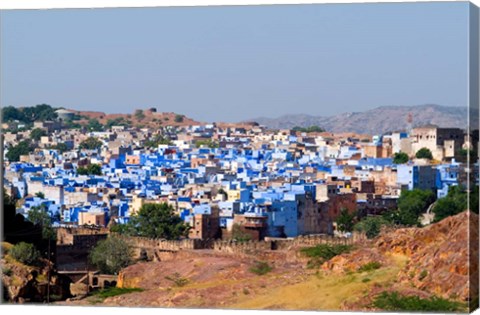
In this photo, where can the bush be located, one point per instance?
(424, 153)
(261, 268)
(239, 235)
(323, 252)
(177, 279)
(345, 221)
(393, 301)
(113, 291)
(422, 275)
(139, 114)
(7, 271)
(90, 169)
(37, 133)
(25, 253)
(308, 129)
(373, 265)
(371, 226)
(94, 125)
(400, 158)
(178, 118)
(91, 143)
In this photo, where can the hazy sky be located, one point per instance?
(237, 63)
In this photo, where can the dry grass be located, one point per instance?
(324, 292)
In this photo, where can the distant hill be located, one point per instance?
(375, 121)
(138, 118)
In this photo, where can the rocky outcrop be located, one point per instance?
(438, 256)
(24, 284)
(353, 261)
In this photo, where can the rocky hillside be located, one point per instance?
(28, 284)
(437, 257)
(139, 118)
(379, 120)
(423, 262)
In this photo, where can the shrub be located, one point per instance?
(365, 280)
(345, 221)
(37, 133)
(178, 118)
(139, 114)
(7, 271)
(424, 153)
(422, 275)
(114, 291)
(308, 129)
(373, 265)
(239, 235)
(323, 252)
(91, 143)
(393, 301)
(25, 253)
(371, 226)
(177, 279)
(261, 268)
(400, 158)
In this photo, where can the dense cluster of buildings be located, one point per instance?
(222, 180)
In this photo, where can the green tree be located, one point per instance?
(139, 114)
(178, 118)
(424, 153)
(345, 221)
(11, 113)
(239, 235)
(41, 112)
(157, 221)
(90, 169)
(371, 226)
(40, 217)
(37, 133)
(119, 121)
(455, 202)
(156, 141)
(208, 143)
(94, 125)
(464, 153)
(308, 129)
(25, 253)
(40, 195)
(22, 148)
(411, 204)
(400, 158)
(91, 143)
(111, 255)
(61, 147)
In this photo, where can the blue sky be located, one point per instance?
(236, 63)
